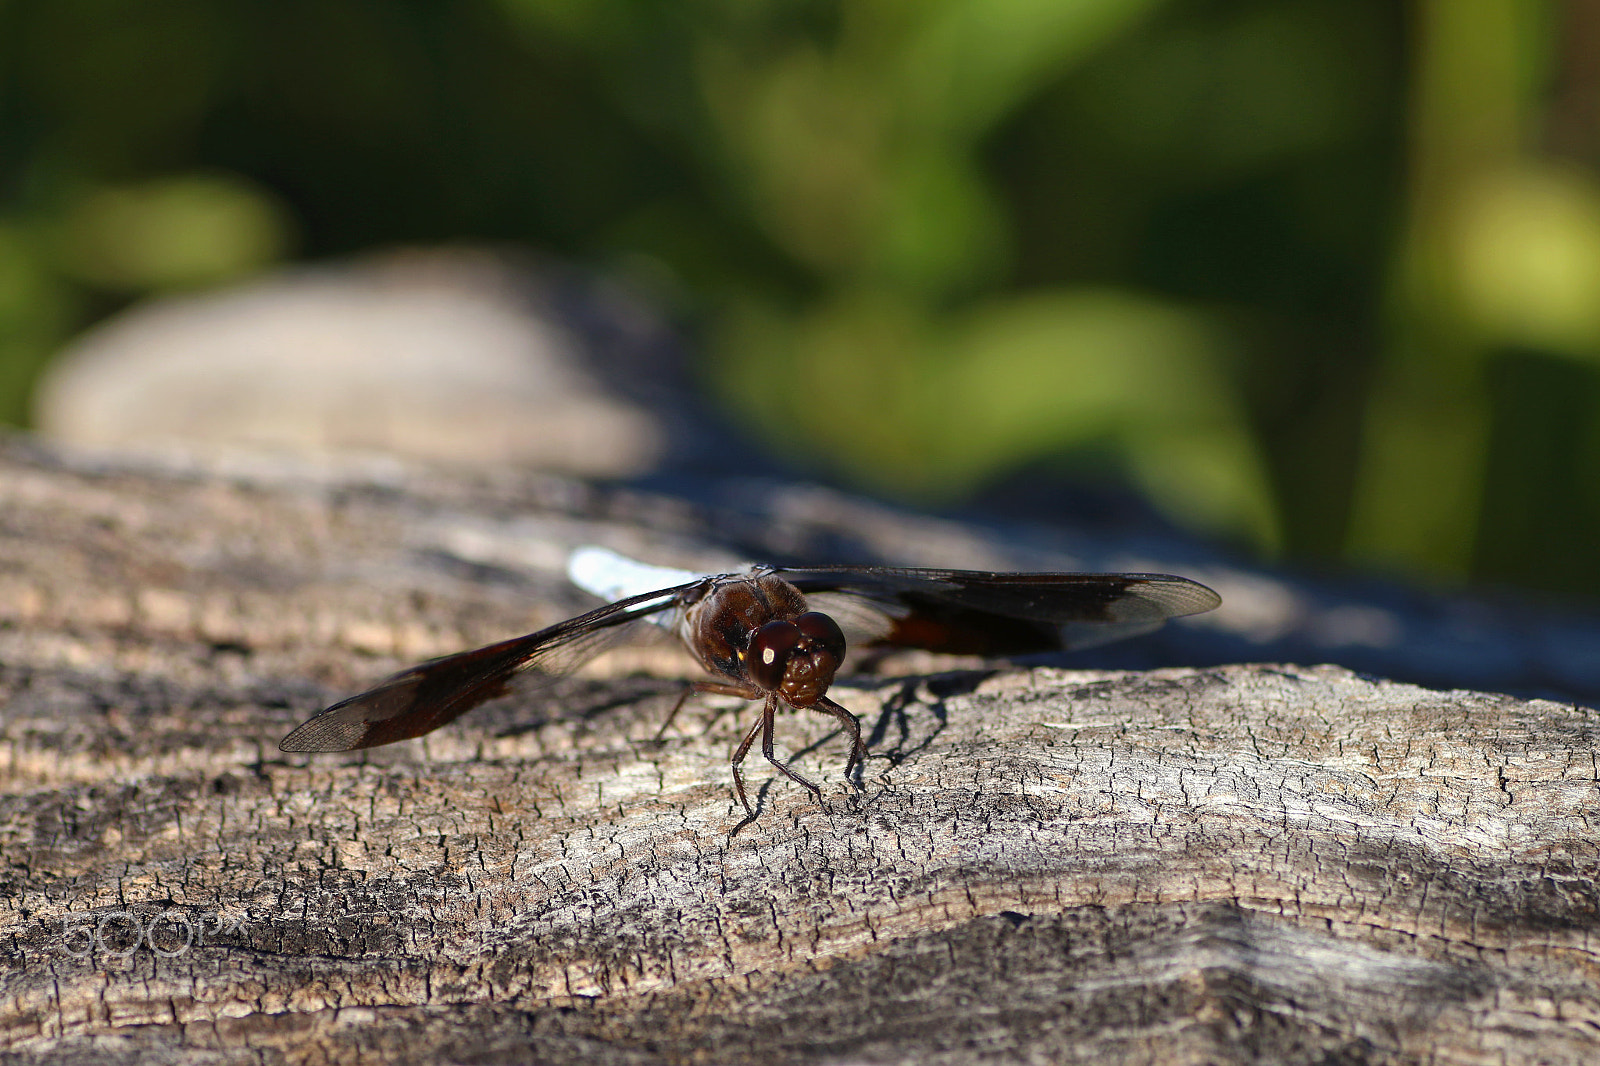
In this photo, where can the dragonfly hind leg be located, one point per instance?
(712, 688)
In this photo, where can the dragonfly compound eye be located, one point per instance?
(821, 630)
(770, 648)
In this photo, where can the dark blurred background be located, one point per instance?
(1319, 277)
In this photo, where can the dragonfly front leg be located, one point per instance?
(852, 726)
(768, 712)
(739, 754)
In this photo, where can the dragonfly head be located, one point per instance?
(796, 659)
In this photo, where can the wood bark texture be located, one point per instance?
(1263, 864)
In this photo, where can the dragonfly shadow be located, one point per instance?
(896, 718)
(753, 815)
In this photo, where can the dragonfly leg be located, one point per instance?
(713, 688)
(768, 712)
(738, 757)
(852, 726)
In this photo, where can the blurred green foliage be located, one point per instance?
(1322, 276)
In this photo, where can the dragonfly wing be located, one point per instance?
(977, 612)
(423, 698)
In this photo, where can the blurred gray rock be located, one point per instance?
(461, 356)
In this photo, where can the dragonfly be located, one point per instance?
(769, 633)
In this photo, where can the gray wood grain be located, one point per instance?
(1244, 863)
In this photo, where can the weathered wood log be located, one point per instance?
(1241, 863)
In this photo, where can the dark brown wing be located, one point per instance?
(425, 697)
(976, 612)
